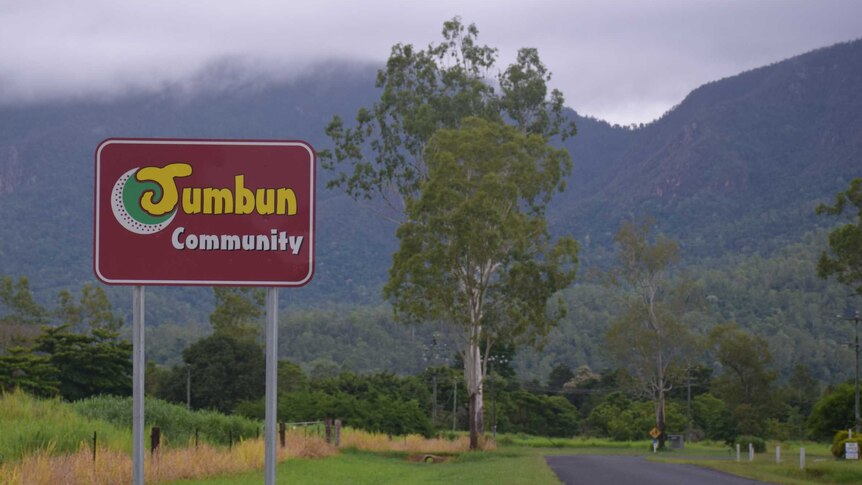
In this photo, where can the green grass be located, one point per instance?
(178, 424)
(359, 468)
(820, 466)
(29, 424)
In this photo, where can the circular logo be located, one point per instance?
(126, 205)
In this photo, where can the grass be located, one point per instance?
(178, 424)
(820, 466)
(360, 468)
(30, 425)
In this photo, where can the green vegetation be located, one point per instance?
(178, 425)
(845, 242)
(357, 468)
(31, 424)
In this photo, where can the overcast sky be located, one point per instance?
(623, 61)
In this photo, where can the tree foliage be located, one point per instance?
(87, 364)
(475, 251)
(845, 242)
(424, 90)
(649, 339)
(34, 374)
(223, 370)
(17, 299)
(94, 309)
(832, 413)
(238, 312)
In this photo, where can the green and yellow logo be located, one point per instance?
(146, 200)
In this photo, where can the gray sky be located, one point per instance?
(624, 61)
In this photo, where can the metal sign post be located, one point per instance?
(138, 385)
(271, 456)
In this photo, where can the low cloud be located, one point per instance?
(625, 61)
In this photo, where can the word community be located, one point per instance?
(274, 241)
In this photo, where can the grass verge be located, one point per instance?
(509, 467)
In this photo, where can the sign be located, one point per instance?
(655, 433)
(204, 212)
(851, 450)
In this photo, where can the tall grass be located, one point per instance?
(414, 443)
(114, 467)
(177, 424)
(28, 425)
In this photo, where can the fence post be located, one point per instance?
(737, 452)
(230, 439)
(337, 433)
(282, 429)
(778, 454)
(801, 458)
(155, 439)
(196, 438)
(328, 424)
(94, 448)
(750, 452)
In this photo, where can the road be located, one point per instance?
(624, 470)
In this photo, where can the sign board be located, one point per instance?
(655, 433)
(204, 212)
(851, 450)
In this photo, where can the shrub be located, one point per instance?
(177, 423)
(759, 444)
(839, 440)
(833, 412)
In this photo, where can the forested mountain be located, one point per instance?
(733, 172)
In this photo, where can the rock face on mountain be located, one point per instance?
(736, 166)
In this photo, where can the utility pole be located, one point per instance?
(189, 387)
(688, 404)
(855, 319)
(434, 398)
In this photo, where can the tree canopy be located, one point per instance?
(845, 242)
(423, 90)
(475, 251)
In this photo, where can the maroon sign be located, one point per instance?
(204, 212)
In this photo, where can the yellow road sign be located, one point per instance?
(655, 433)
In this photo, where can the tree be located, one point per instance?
(18, 301)
(238, 312)
(475, 251)
(559, 376)
(94, 308)
(88, 364)
(833, 412)
(426, 90)
(746, 382)
(649, 339)
(21, 369)
(845, 242)
(224, 371)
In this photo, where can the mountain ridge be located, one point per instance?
(725, 170)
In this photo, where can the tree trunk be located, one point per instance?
(659, 417)
(473, 378)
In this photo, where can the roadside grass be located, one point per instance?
(30, 425)
(820, 466)
(360, 468)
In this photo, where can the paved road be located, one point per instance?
(635, 470)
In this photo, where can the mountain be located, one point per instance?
(736, 167)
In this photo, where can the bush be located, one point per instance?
(376, 413)
(759, 444)
(177, 423)
(833, 412)
(839, 440)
